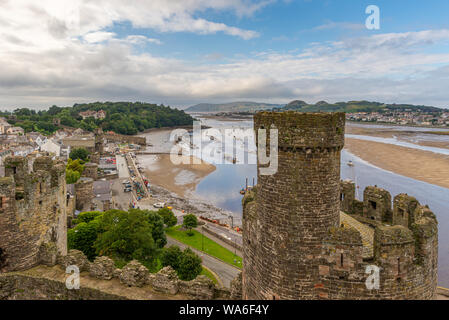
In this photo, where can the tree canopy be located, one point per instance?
(74, 170)
(169, 217)
(79, 153)
(186, 263)
(126, 236)
(190, 221)
(121, 117)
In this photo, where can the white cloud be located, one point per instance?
(340, 25)
(99, 36)
(49, 55)
(139, 39)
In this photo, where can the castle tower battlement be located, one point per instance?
(299, 244)
(295, 207)
(32, 212)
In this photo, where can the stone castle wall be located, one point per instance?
(294, 207)
(90, 170)
(33, 216)
(126, 139)
(84, 194)
(293, 244)
(134, 281)
(405, 244)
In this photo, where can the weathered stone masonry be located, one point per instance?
(294, 245)
(33, 218)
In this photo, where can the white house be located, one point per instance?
(51, 147)
(37, 138)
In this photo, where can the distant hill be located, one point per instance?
(121, 117)
(353, 106)
(239, 106)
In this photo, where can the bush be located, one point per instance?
(189, 265)
(71, 176)
(171, 256)
(190, 221)
(157, 225)
(87, 216)
(79, 153)
(168, 216)
(126, 236)
(83, 237)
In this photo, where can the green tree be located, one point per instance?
(190, 221)
(79, 153)
(83, 238)
(189, 265)
(75, 165)
(71, 176)
(171, 256)
(73, 172)
(87, 216)
(157, 226)
(168, 216)
(126, 236)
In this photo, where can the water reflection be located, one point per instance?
(222, 189)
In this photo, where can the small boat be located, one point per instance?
(350, 163)
(242, 191)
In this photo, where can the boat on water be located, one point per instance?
(350, 163)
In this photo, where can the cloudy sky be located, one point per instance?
(182, 52)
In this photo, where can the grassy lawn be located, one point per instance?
(209, 274)
(210, 247)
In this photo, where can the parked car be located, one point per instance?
(159, 205)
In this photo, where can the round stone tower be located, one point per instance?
(295, 207)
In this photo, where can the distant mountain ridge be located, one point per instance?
(353, 106)
(238, 106)
(302, 106)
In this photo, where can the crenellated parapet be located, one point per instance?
(32, 211)
(306, 236)
(405, 243)
(304, 131)
(377, 204)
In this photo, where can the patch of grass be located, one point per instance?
(210, 247)
(209, 274)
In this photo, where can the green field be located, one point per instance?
(209, 274)
(206, 245)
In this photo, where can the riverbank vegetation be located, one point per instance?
(121, 117)
(133, 235)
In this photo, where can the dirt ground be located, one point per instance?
(181, 179)
(417, 164)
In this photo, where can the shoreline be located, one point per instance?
(419, 165)
(397, 125)
(181, 179)
(176, 184)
